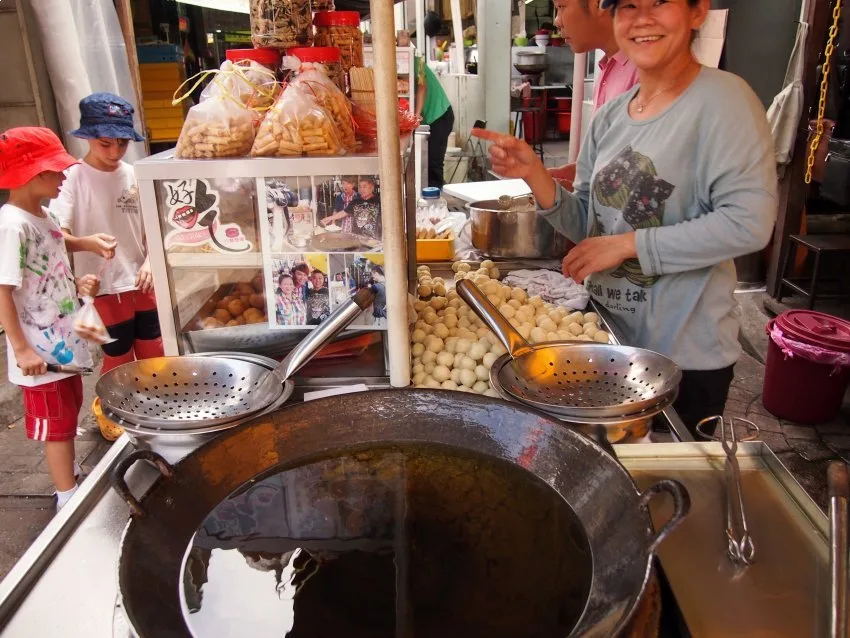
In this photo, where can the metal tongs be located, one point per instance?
(740, 546)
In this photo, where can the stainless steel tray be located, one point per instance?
(786, 591)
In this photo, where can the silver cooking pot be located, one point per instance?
(518, 233)
(612, 515)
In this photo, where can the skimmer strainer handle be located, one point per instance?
(338, 320)
(495, 320)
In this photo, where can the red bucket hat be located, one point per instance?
(27, 151)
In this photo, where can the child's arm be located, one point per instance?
(100, 244)
(28, 360)
(87, 285)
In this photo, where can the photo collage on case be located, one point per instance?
(322, 243)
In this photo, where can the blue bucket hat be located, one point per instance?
(106, 115)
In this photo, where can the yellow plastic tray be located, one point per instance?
(434, 250)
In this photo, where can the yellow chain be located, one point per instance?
(824, 87)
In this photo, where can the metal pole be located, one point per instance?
(392, 209)
(579, 73)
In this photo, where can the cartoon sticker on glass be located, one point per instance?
(193, 212)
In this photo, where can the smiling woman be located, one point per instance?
(676, 178)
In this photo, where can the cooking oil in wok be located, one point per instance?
(409, 541)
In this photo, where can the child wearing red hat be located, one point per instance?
(100, 194)
(38, 296)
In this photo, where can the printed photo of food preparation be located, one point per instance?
(350, 272)
(330, 214)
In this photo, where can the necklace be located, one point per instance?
(640, 106)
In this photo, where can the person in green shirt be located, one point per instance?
(433, 105)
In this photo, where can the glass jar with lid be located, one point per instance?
(281, 23)
(328, 57)
(341, 29)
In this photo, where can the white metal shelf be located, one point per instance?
(215, 260)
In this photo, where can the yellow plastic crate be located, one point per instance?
(160, 123)
(161, 71)
(434, 250)
(165, 134)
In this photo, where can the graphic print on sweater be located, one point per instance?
(630, 184)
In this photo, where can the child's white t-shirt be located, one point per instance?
(93, 201)
(33, 260)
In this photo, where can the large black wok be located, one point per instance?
(612, 512)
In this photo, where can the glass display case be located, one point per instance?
(249, 253)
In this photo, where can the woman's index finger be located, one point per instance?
(491, 136)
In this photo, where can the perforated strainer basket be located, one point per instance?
(196, 392)
(576, 379)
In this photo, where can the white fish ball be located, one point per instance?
(492, 393)
(576, 328)
(513, 303)
(518, 294)
(464, 267)
(467, 363)
(536, 301)
(591, 317)
(482, 373)
(463, 346)
(538, 335)
(547, 324)
(441, 373)
(507, 310)
(418, 336)
(431, 382)
(428, 368)
(590, 329)
(494, 273)
(525, 330)
(446, 359)
(419, 378)
(429, 356)
(456, 375)
(602, 337)
(498, 349)
(477, 351)
(448, 384)
(489, 359)
(468, 378)
(481, 387)
(488, 263)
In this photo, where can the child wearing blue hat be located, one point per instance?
(100, 195)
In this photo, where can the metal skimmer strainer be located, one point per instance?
(567, 378)
(193, 392)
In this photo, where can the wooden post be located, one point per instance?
(392, 208)
(792, 188)
(125, 19)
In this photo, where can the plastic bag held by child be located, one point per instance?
(296, 125)
(88, 324)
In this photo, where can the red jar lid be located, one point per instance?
(321, 55)
(816, 329)
(337, 19)
(265, 56)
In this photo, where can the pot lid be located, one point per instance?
(816, 328)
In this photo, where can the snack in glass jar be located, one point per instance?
(341, 29)
(323, 5)
(281, 23)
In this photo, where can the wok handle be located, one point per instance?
(681, 507)
(495, 320)
(119, 476)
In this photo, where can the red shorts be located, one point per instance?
(52, 409)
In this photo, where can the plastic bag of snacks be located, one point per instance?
(313, 81)
(366, 125)
(250, 83)
(88, 324)
(297, 125)
(281, 23)
(224, 122)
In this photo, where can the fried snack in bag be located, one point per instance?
(88, 324)
(314, 81)
(223, 124)
(247, 81)
(296, 125)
